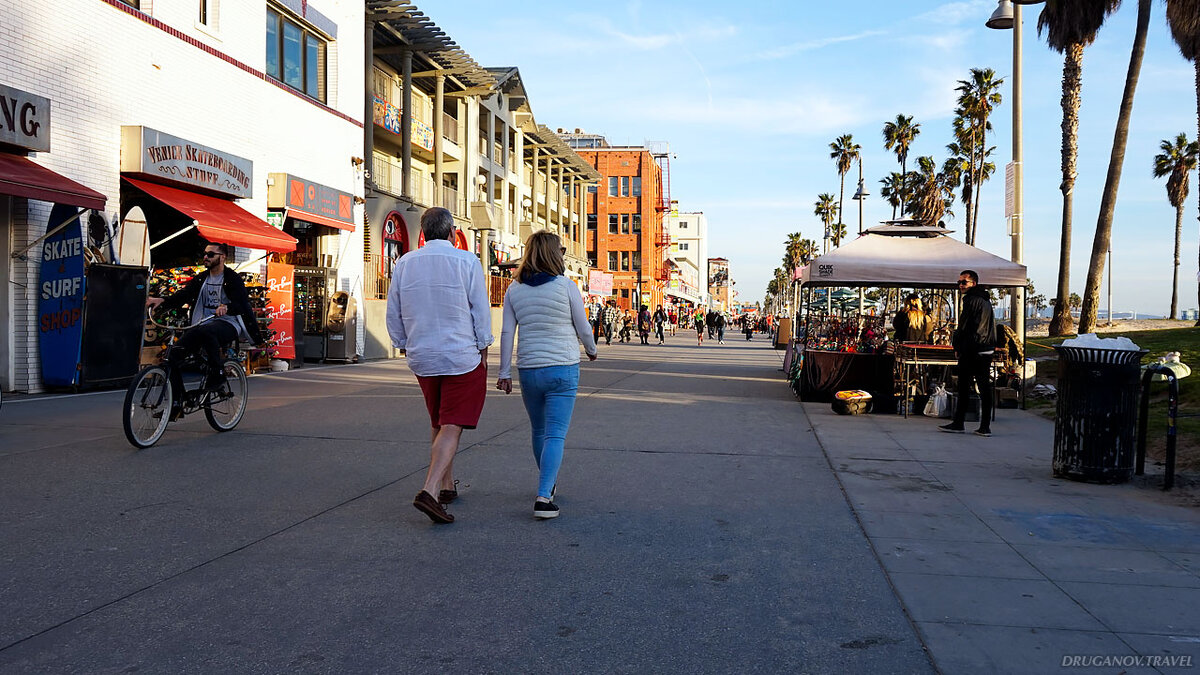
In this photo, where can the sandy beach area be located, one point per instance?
(1040, 327)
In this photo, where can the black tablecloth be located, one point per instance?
(826, 373)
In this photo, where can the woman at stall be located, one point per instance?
(549, 311)
(912, 324)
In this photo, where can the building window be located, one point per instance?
(637, 223)
(637, 260)
(683, 224)
(683, 246)
(624, 186)
(624, 223)
(613, 220)
(624, 292)
(136, 4)
(591, 221)
(612, 186)
(624, 261)
(612, 260)
(637, 186)
(295, 56)
(591, 261)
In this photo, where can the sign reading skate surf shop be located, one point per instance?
(24, 119)
(166, 157)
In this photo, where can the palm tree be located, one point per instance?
(898, 136)
(826, 210)
(932, 193)
(844, 152)
(1070, 26)
(978, 96)
(893, 190)
(1108, 202)
(1183, 17)
(837, 233)
(1176, 162)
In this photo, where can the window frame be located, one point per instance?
(637, 186)
(635, 224)
(613, 260)
(318, 73)
(614, 222)
(613, 182)
(624, 223)
(624, 186)
(624, 261)
(592, 221)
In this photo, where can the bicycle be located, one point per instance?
(150, 399)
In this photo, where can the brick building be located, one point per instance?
(625, 235)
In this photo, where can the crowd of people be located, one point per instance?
(610, 322)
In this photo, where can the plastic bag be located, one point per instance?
(938, 404)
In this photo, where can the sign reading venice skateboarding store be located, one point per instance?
(168, 158)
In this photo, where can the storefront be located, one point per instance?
(316, 216)
(184, 194)
(53, 304)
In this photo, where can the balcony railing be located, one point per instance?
(497, 286)
(449, 128)
(388, 176)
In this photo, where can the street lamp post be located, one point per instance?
(1008, 16)
(860, 196)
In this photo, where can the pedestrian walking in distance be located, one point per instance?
(438, 313)
(660, 320)
(719, 322)
(974, 344)
(548, 311)
(699, 321)
(611, 316)
(643, 324)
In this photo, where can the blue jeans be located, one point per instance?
(549, 396)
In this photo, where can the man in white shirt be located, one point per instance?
(438, 312)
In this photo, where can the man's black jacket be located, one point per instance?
(235, 290)
(976, 330)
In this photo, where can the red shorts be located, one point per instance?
(455, 399)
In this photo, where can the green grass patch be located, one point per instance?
(1186, 341)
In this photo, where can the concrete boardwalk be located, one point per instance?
(710, 524)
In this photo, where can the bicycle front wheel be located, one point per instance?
(224, 407)
(147, 407)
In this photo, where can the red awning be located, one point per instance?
(21, 177)
(220, 220)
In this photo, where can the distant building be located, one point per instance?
(719, 284)
(625, 235)
(687, 258)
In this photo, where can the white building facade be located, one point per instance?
(688, 256)
(263, 89)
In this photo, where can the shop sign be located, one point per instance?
(297, 194)
(275, 219)
(24, 119)
(600, 283)
(387, 116)
(166, 157)
(279, 305)
(60, 299)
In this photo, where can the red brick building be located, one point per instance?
(625, 235)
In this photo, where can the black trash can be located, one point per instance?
(1097, 411)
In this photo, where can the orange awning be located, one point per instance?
(220, 220)
(21, 177)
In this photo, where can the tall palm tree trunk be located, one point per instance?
(841, 197)
(1175, 273)
(1072, 83)
(1108, 203)
(978, 185)
(1196, 63)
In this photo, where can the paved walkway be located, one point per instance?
(710, 524)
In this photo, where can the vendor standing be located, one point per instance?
(912, 324)
(974, 345)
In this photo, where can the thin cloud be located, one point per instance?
(955, 13)
(809, 45)
(656, 41)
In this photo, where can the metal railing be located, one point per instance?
(449, 128)
(388, 176)
(377, 277)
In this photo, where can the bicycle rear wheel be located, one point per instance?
(224, 407)
(147, 406)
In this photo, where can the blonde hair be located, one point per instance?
(917, 318)
(543, 253)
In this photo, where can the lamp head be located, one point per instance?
(1002, 18)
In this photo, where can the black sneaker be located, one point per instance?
(986, 433)
(952, 428)
(215, 382)
(545, 510)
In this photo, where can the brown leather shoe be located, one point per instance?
(447, 496)
(426, 504)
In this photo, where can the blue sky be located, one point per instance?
(750, 95)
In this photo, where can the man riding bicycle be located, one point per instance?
(217, 294)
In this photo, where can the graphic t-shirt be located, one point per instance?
(212, 295)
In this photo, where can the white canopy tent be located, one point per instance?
(909, 256)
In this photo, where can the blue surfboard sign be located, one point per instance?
(60, 299)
